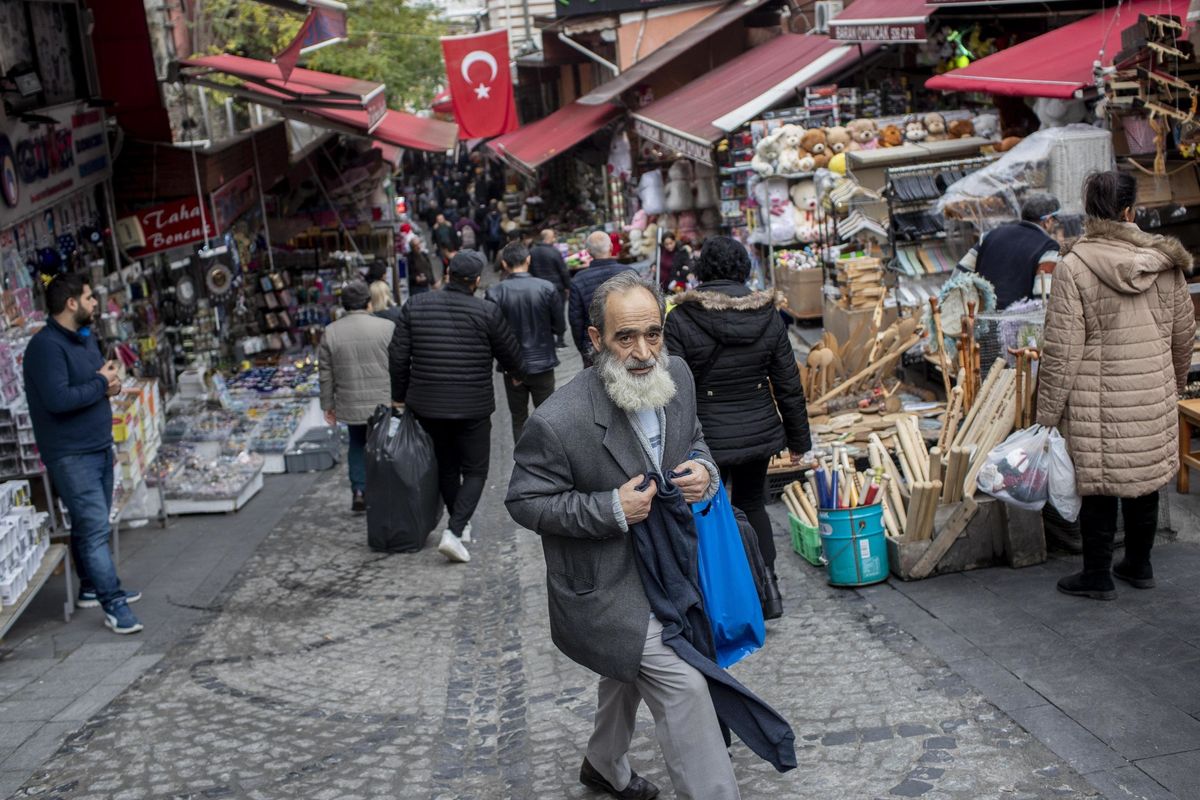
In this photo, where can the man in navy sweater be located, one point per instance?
(68, 384)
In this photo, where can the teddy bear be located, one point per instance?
(650, 192)
(766, 154)
(814, 144)
(837, 139)
(645, 243)
(705, 187)
(792, 157)
(891, 136)
(914, 131)
(935, 127)
(987, 126)
(679, 186)
(804, 203)
(863, 134)
(775, 210)
(961, 129)
(620, 157)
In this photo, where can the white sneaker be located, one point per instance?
(453, 549)
(466, 534)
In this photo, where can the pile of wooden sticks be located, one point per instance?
(834, 484)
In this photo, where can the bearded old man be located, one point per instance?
(580, 482)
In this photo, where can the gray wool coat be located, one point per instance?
(575, 450)
(352, 363)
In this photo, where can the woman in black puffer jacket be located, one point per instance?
(748, 393)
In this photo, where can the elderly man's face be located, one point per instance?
(633, 330)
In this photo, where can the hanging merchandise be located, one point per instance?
(219, 280)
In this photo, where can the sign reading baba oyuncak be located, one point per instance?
(43, 163)
(882, 31)
(178, 223)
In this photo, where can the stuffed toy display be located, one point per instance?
(914, 131)
(1054, 113)
(775, 210)
(650, 192)
(814, 144)
(766, 154)
(935, 127)
(705, 187)
(961, 129)
(837, 139)
(679, 186)
(863, 134)
(689, 226)
(891, 136)
(710, 222)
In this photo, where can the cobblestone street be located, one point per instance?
(329, 671)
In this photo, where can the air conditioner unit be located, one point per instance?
(825, 12)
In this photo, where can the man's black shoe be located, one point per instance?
(638, 789)
(560, 345)
(359, 504)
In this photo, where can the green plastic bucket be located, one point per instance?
(854, 545)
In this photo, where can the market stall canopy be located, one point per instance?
(304, 90)
(1057, 64)
(530, 146)
(399, 129)
(639, 72)
(691, 119)
(881, 21)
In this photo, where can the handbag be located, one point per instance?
(726, 582)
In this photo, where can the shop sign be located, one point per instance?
(232, 200)
(43, 163)
(170, 225)
(673, 142)
(877, 31)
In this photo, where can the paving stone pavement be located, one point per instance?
(331, 672)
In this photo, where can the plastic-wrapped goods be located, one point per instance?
(1053, 160)
(403, 503)
(1029, 468)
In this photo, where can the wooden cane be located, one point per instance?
(943, 360)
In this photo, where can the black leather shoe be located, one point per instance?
(773, 603)
(359, 504)
(638, 789)
(1137, 577)
(1097, 586)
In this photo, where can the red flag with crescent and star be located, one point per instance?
(480, 84)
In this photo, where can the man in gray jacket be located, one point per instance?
(578, 465)
(353, 367)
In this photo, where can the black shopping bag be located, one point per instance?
(403, 503)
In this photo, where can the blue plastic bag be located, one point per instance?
(730, 597)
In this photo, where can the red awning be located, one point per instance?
(398, 128)
(723, 100)
(304, 89)
(1055, 64)
(881, 21)
(441, 103)
(528, 147)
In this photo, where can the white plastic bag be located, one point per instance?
(1063, 494)
(1017, 470)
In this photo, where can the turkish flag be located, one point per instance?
(480, 84)
(323, 26)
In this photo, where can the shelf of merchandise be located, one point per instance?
(56, 554)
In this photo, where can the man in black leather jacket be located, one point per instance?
(441, 367)
(534, 310)
(548, 264)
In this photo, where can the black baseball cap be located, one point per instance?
(467, 265)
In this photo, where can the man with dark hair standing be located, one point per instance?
(1017, 258)
(353, 366)
(547, 263)
(441, 367)
(533, 308)
(68, 383)
(584, 285)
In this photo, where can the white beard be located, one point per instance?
(632, 392)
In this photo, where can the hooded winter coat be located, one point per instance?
(748, 393)
(1115, 355)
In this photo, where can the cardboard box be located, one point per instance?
(842, 322)
(803, 290)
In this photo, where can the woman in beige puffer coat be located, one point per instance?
(1115, 356)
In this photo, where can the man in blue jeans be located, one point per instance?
(68, 383)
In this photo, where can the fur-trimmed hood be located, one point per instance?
(1125, 257)
(727, 311)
